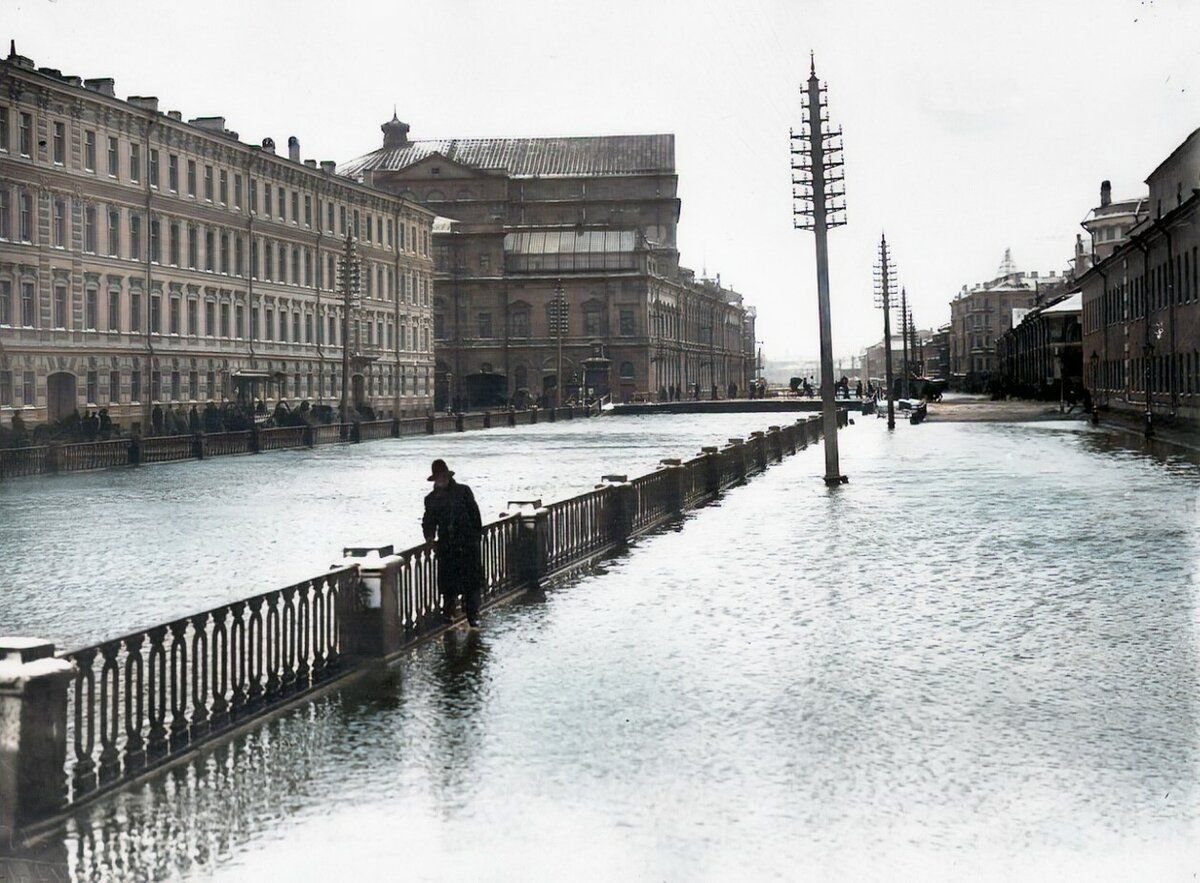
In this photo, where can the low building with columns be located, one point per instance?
(593, 217)
(147, 259)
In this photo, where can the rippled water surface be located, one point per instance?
(976, 660)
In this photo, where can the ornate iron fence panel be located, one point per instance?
(220, 444)
(281, 437)
(653, 495)
(82, 456)
(140, 699)
(695, 482)
(373, 429)
(15, 462)
(418, 599)
(166, 448)
(579, 528)
(498, 546)
(327, 433)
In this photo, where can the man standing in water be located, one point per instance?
(452, 518)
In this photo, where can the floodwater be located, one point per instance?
(976, 660)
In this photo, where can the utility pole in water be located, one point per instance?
(907, 389)
(821, 198)
(885, 290)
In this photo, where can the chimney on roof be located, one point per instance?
(211, 124)
(175, 115)
(144, 102)
(395, 133)
(294, 148)
(327, 166)
(268, 144)
(311, 163)
(1105, 193)
(103, 85)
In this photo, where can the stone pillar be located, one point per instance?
(758, 447)
(53, 457)
(373, 627)
(775, 434)
(512, 418)
(736, 451)
(533, 415)
(395, 427)
(712, 470)
(675, 492)
(310, 436)
(254, 449)
(429, 425)
(533, 541)
(622, 504)
(198, 445)
(487, 419)
(33, 732)
(135, 451)
(458, 422)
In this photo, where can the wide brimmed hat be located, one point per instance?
(439, 466)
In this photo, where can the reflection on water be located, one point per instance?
(978, 659)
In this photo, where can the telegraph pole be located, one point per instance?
(348, 279)
(816, 168)
(884, 291)
(904, 339)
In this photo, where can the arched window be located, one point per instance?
(627, 370)
(435, 196)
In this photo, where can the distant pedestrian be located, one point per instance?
(858, 389)
(452, 519)
(156, 419)
(193, 420)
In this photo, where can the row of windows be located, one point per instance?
(210, 183)
(212, 249)
(1178, 372)
(225, 319)
(1157, 289)
(518, 322)
(176, 387)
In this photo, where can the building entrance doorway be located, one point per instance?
(60, 396)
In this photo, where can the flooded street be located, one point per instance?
(979, 658)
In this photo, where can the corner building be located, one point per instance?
(522, 218)
(145, 259)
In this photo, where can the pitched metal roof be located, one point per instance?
(533, 157)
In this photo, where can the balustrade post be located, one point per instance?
(33, 732)
(395, 427)
(533, 541)
(309, 437)
(675, 493)
(512, 418)
(736, 451)
(254, 449)
(458, 422)
(758, 446)
(198, 446)
(356, 431)
(54, 457)
(135, 450)
(712, 470)
(775, 434)
(429, 425)
(533, 415)
(622, 507)
(487, 419)
(373, 628)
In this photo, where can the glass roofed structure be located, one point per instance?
(566, 251)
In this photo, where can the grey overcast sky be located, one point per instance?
(969, 127)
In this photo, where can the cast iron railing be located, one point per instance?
(144, 697)
(141, 699)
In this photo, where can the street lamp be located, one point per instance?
(1095, 363)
